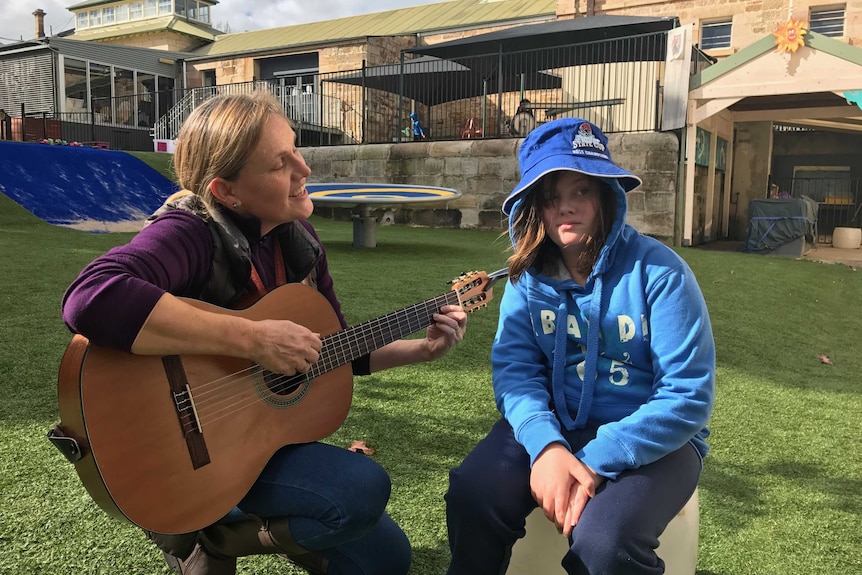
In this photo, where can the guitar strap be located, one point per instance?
(260, 289)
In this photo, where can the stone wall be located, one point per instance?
(485, 171)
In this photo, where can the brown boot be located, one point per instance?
(201, 563)
(256, 536)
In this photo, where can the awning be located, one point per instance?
(549, 35)
(433, 81)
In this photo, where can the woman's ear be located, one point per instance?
(222, 192)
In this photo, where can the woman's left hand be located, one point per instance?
(448, 329)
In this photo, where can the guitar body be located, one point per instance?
(138, 461)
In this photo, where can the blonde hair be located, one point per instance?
(532, 247)
(218, 137)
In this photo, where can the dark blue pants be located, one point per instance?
(489, 499)
(336, 501)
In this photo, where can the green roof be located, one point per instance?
(440, 16)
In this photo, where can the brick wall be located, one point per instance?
(485, 171)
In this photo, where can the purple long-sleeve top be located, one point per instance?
(113, 296)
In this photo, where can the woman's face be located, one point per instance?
(570, 211)
(271, 185)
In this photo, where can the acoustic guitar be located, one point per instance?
(172, 443)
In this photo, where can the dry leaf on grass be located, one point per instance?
(360, 447)
(824, 359)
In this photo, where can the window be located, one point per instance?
(165, 7)
(715, 34)
(828, 21)
(95, 18)
(108, 15)
(204, 13)
(75, 82)
(151, 8)
(122, 13)
(136, 11)
(81, 20)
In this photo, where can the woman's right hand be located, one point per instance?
(285, 347)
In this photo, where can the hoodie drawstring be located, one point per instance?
(558, 375)
(594, 328)
(558, 382)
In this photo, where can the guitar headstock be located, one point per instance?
(474, 288)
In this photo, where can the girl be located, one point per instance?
(603, 370)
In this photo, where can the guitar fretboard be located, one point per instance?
(346, 345)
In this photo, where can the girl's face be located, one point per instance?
(570, 211)
(271, 185)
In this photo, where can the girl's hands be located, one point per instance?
(562, 485)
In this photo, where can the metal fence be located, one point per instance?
(319, 120)
(95, 127)
(614, 83)
(839, 200)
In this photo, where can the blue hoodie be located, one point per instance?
(645, 379)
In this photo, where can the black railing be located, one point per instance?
(613, 83)
(839, 200)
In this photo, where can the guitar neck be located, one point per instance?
(344, 346)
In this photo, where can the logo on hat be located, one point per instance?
(586, 143)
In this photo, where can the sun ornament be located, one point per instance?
(789, 36)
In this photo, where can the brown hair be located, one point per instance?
(218, 137)
(533, 248)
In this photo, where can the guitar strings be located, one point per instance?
(211, 403)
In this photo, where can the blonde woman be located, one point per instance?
(238, 231)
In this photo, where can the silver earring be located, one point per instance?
(236, 204)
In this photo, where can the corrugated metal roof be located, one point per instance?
(175, 23)
(439, 16)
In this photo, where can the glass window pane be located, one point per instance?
(100, 91)
(151, 8)
(95, 18)
(124, 96)
(204, 13)
(75, 82)
(146, 106)
(715, 34)
(136, 11)
(165, 100)
(82, 21)
(827, 21)
(165, 7)
(108, 15)
(180, 7)
(122, 13)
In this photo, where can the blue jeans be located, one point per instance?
(489, 499)
(335, 500)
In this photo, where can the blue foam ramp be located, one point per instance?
(81, 187)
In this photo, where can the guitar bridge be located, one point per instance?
(187, 416)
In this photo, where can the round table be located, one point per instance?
(366, 196)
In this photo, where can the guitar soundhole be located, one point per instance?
(281, 390)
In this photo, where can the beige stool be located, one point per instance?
(542, 549)
(847, 238)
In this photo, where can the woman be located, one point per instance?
(237, 231)
(603, 370)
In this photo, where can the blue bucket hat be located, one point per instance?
(566, 144)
